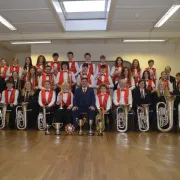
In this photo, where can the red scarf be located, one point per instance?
(91, 70)
(68, 102)
(167, 83)
(14, 67)
(104, 102)
(12, 96)
(88, 76)
(149, 87)
(26, 77)
(49, 79)
(4, 71)
(61, 77)
(73, 67)
(33, 81)
(58, 64)
(153, 69)
(126, 95)
(106, 80)
(117, 76)
(39, 66)
(43, 97)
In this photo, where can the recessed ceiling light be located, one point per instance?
(7, 24)
(31, 42)
(144, 40)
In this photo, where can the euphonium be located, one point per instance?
(3, 115)
(165, 114)
(21, 116)
(42, 120)
(143, 118)
(100, 118)
(122, 118)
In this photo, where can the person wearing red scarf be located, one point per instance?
(103, 62)
(47, 99)
(9, 97)
(152, 70)
(4, 69)
(55, 63)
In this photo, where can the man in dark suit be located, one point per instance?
(169, 77)
(84, 101)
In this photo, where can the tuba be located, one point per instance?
(100, 118)
(21, 116)
(122, 117)
(165, 114)
(143, 118)
(3, 115)
(42, 120)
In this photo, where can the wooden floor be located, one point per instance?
(30, 155)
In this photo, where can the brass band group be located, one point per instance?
(66, 94)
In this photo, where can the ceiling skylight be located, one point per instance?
(84, 6)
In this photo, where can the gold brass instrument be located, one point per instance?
(42, 120)
(143, 118)
(21, 116)
(165, 114)
(100, 121)
(122, 117)
(3, 115)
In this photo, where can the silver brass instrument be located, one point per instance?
(165, 114)
(3, 115)
(21, 116)
(42, 120)
(143, 118)
(91, 132)
(122, 117)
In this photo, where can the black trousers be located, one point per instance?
(12, 116)
(49, 114)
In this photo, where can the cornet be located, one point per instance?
(3, 115)
(122, 117)
(143, 118)
(165, 114)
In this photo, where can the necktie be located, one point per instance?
(142, 95)
(84, 91)
(27, 96)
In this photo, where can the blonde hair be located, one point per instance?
(166, 91)
(62, 86)
(32, 92)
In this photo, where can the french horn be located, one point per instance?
(165, 114)
(3, 115)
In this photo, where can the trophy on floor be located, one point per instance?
(57, 126)
(91, 133)
(81, 123)
(47, 129)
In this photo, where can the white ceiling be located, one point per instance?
(37, 16)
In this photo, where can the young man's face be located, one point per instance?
(3, 62)
(84, 83)
(103, 60)
(141, 85)
(122, 84)
(103, 89)
(85, 69)
(87, 58)
(103, 70)
(48, 70)
(55, 58)
(15, 75)
(9, 85)
(151, 64)
(47, 85)
(70, 57)
(168, 70)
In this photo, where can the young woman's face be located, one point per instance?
(9, 85)
(141, 85)
(47, 85)
(28, 61)
(146, 75)
(126, 71)
(3, 62)
(136, 63)
(15, 62)
(163, 75)
(103, 89)
(119, 62)
(32, 71)
(27, 85)
(162, 86)
(41, 59)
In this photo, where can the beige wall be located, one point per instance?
(163, 54)
(22, 56)
(7, 54)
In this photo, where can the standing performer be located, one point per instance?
(136, 70)
(152, 71)
(33, 78)
(65, 104)
(29, 96)
(73, 65)
(26, 69)
(169, 85)
(85, 74)
(169, 77)
(177, 79)
(16, 81)
(103, 62)
(92, 67)
(103, 100)
(117, 69)
(40, 65)
(46, 100)
(9, 97)
(84, 101)
(55, 63)
(4, 68)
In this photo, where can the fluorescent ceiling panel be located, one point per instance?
(170, 12)
(31, 42)
(144, 40)
(7, 24)
(84, 6)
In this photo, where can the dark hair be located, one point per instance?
(14, 72)
(9, 82)
(178, 85)
(85, 65)
(102, 57)
(143, 76)
(178, 74)
(163, 72)
(84, 78)
(123, 75)
(47, 81)
(33, 67)
(64, 63)
(138, 66)
(150, 61)
(117, 59)
(47, 66)
(142, 80)
(70, 53)
(55, 54)
(4, 60)
(103, 66)
(30, 65)
(102, 85)
(87, 54)
(44, 60)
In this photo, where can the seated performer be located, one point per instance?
(46, 100)
(40, 64)
(169, 85)
(15, 67)
(117, 69)
(141, 96)
(65, 104)
(84, 101)
(152, 70)
(177, 80)
(136, 70)
(4, 68)
(92, 67)
(73, 65)
(169, 77)
(85, 74)
(9, 97)
(47, 76)
(55, 62)
(103, 100)
(123, 96)
(149, 82)
(29, 96)
(103, 78)
(103, 62)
